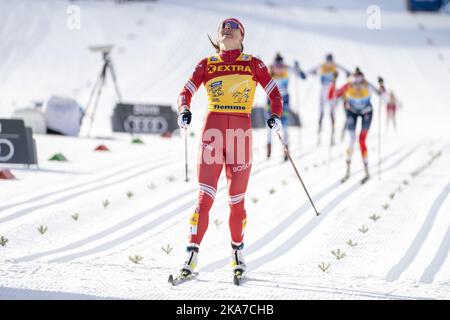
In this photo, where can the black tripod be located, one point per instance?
(98, 85)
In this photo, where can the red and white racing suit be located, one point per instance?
(230, 79)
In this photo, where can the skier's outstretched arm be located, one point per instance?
(374, 89)
(314, 70)
(341, 91)
(380, 91)
(347, 72)
(298, 71)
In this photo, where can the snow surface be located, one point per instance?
(403, 255)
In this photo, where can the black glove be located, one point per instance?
(274, 122)
(184, 118)
(380, 81)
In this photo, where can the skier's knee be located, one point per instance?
(362, 142)
(206, 197)
(236, 206)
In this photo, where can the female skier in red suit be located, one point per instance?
(230, 78)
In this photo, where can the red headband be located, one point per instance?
(241, 27)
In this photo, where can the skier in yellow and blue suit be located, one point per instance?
(279, 71)
(357, 92)
(327, 71)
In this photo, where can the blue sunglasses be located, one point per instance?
(231, 24)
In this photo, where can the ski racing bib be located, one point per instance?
(358, 98)
(327, 73)
(230, 86)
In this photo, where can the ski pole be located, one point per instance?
(186, 155)
(379, 137)
(297, 105)
(296, 171)
(380, 91)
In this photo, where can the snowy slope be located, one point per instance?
(402, 255)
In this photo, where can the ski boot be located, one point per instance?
(187, 270)
(347, 173)
(237, 262)
(191, 261)
(367, 177)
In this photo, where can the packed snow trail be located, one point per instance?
(416, 245)
(285, 242)
(181, 209)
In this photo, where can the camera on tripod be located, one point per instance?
(105, 50)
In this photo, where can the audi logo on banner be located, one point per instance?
(143, 118)
(6, 150)
(142, 124)
(16, 142)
